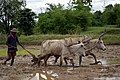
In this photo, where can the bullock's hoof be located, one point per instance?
(96, 63)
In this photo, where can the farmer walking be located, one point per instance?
(11, 42)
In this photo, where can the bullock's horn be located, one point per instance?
(86, 40)
(102, 34)
(73, 44)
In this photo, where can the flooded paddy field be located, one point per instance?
(22, 69)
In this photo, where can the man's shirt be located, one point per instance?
(12, 43)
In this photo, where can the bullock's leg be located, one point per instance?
(96, 62)
(56, 59)
(65, 59)
(80, 60)
(45, 60)
(39, 62)
(60, 60)
(72, 62)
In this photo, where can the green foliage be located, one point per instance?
(80, 4)
(97, 19)
(109, 17)
(117, 12)
(74, 19)
(25, 21)
(58, 20)
(8, 9)
(112, 14)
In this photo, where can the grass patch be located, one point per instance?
(3, 52)
(112, 39)
(37, 39)
(112, 36)
(23, 52)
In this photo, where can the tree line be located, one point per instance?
(57, 19)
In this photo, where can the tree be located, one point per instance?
(53, 21)
(109, 7)
(82, 4)
(97, 19)
(25, 21)
(109, 15)
(83, 7)
(112, 14)
(116, 10)
(8, 9)
(58, 20)
(53, 7)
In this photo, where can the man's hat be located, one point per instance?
(14, 30)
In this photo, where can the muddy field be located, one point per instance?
(22, 69)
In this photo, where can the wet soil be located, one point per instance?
(22, 69)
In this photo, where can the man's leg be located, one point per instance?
(12, 61)
(9, 57)
(13, 57)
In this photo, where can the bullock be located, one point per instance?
(56, 48)
(91, 45)
(50, 48)
(70, 52)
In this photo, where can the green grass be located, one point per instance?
(112, 39)
(37, 39)
(97, 30)
(112, 36)
(3, 52)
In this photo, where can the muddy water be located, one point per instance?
(107, 78)
(109, 70)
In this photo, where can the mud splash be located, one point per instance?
(44, 75)
(105, 62)
(108, 62)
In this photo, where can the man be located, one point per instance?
(11, 42)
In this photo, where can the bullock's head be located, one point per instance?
(100, 44)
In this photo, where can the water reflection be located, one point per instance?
(44, 75)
